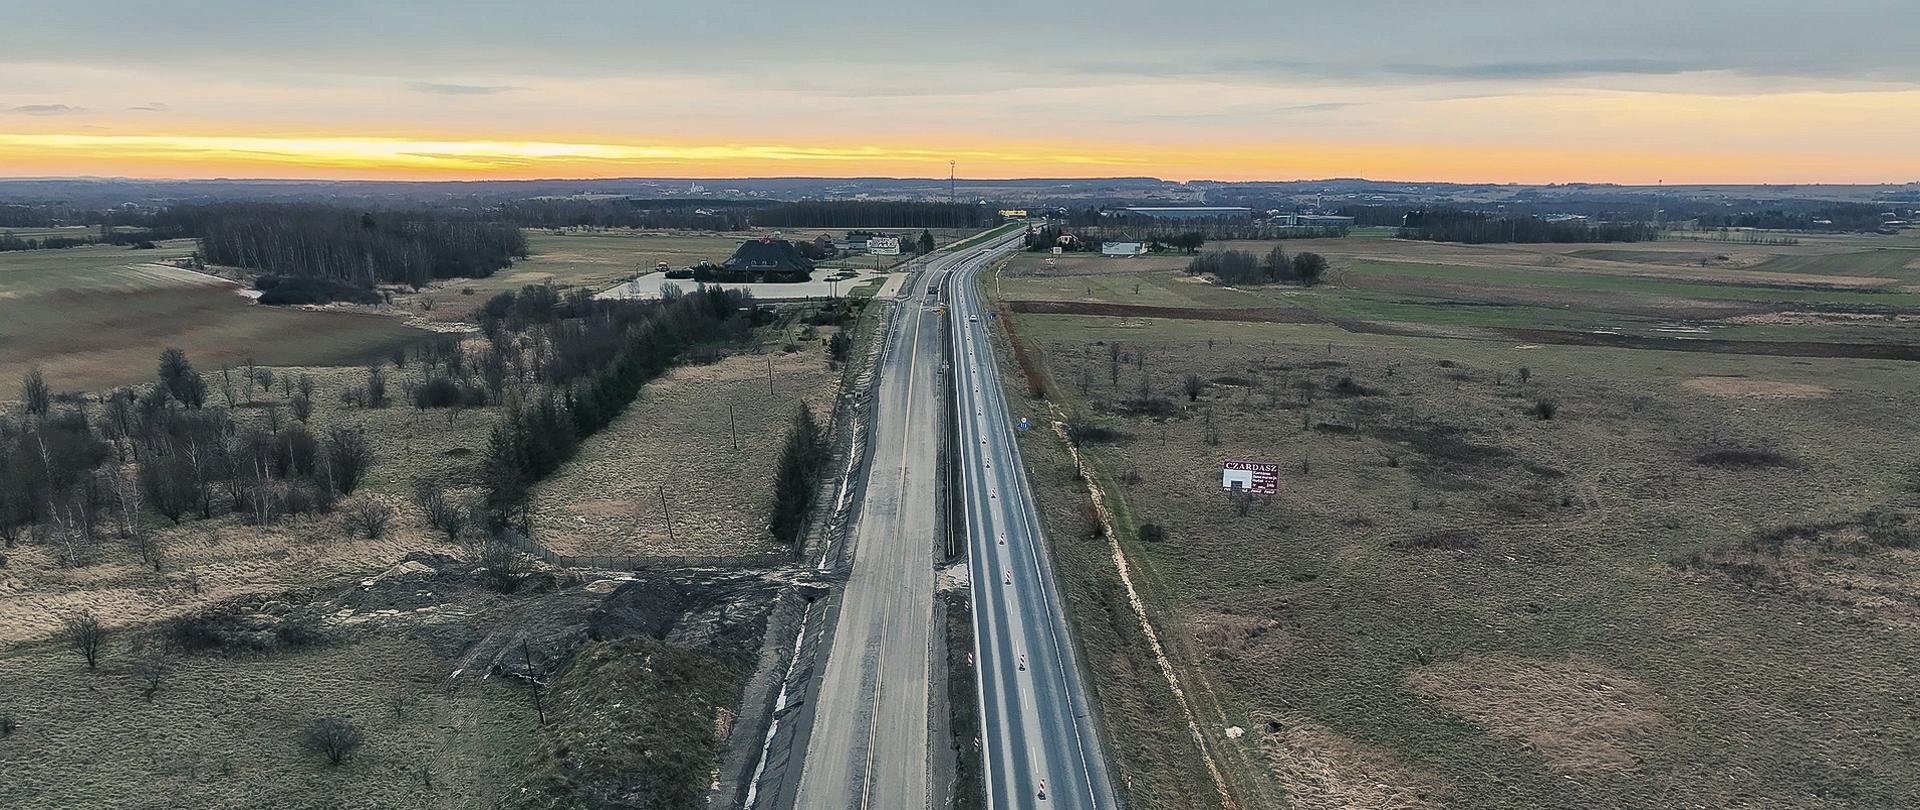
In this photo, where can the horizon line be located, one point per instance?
(959, 180)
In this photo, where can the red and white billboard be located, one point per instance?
(1257, 477)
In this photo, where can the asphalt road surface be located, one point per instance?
(868, 744)
(1038, 734)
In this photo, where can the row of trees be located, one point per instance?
(599, 363)
(336, 246)
(874, 214)
(797, 476)
(1478, 228)
(1239, 267)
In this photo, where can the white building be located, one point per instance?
(1122, 248)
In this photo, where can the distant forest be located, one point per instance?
(328, 247)
(1480, 228)
(874, 214)
(689, 215)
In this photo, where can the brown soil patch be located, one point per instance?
(1252, 314)
(1781, 348)
(1582, 716)
(1321, 768)
(1818, 318)
(1760, 389)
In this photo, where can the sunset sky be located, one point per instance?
(1624, 91)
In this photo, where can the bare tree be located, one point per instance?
(332, 737)
(367, 516)
(151, 670)
(226, 385)
(34, 394)
(443, 513)
(503, 563)
(376, 386)
(84, 634)
(1193, 386)
(348, 457)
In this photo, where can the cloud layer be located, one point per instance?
(1792, 91)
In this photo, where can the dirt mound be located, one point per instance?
(1321, 768)
(1760, 389)
(1238, 634)
(1582, 716)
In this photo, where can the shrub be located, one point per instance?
(367, 516)
(1152, 533)
(85, 634)
(1545, 409)
(332, 737)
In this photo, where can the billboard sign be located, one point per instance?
(1256, 477)
(884, 246)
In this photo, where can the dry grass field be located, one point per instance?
(221, 730)
(1863, 289)
(98, 316)
(677, 436)
(1692, 585)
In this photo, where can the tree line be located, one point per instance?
(873, 214)
(312, 250)
(1479, 228)
(600, 362)
(797, 476)
(1241, 268)
(687, 215)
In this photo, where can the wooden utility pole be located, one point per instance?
(534, 679)
(733, 427)
(769, 375)
(668, 510)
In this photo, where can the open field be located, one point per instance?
(95, 317)
(677, 436)
(221, 731)
(1859, 289)
(1690, 587)
(67, 231)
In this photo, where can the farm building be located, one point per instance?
(763, 258)
(1122, 248)
(1312, 220)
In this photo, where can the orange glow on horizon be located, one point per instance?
(164, 156)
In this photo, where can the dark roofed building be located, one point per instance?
(767, 259)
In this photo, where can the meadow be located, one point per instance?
(1499, 572)
(98, 316)
(707, 438)
(1833, 290)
